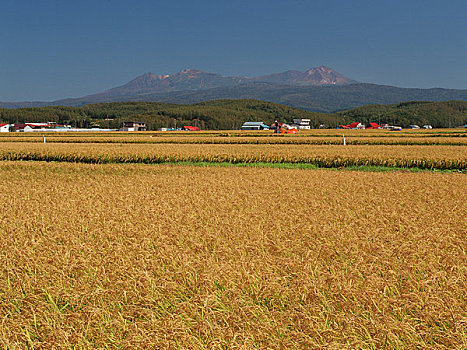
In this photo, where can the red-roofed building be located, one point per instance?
(374, 126)
(31, 126)
(191, 128)
(4, 127)
(354, 125)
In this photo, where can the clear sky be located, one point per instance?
(56, 49)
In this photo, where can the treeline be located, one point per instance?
(438, 114)
(231, 114)
(213, 115)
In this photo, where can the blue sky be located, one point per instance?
(56, 49)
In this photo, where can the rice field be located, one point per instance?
(423, 149)
(136, 255)
(287, 140)
(111, 244)
(305, 137)
(423, 157)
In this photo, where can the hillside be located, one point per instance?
(438, 114)
(230, 114)
(221, 114)
(323, 99)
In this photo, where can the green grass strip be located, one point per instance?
(369, 168)
(335, 164)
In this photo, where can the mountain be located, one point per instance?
(314, 76)
(318, 89)
(188, 79)
(150, 85)
(193, 80)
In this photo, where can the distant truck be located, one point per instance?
(288, 129)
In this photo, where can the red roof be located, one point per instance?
(3, 125)
(373, 126)
(191, 128)
(37, 124)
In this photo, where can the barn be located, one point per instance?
(254, 126)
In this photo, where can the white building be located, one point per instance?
(301, 124)
(134, 126)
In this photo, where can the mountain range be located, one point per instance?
(195, 80)
(320, 89)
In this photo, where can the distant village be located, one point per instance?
(304, 124)
(298, 124)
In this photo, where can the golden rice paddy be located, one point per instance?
(166, 256)
(304, 137)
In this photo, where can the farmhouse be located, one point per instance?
(32, 126)
(4, 127)
(134, 126)
(374, 126)
(254, 126)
